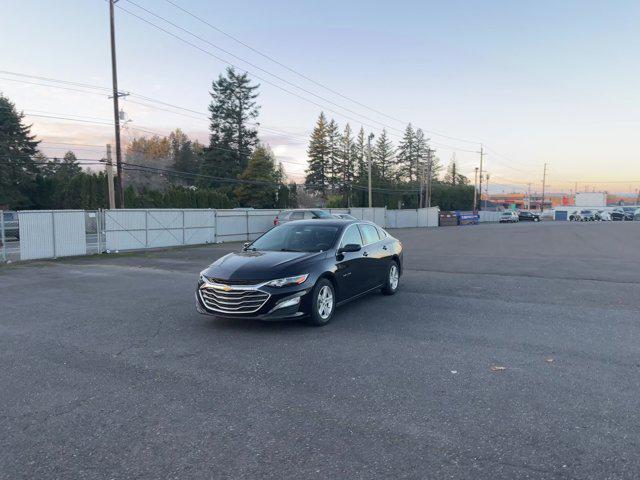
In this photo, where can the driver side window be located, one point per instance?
(352, 235)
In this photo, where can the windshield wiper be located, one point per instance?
(290, 250)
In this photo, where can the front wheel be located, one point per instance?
(323, 303)
(393, 279)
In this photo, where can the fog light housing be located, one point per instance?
(288, 302)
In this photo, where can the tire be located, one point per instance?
(536, 219)
(392, 282)
(322, 292)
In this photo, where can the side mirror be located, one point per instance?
(349, 248)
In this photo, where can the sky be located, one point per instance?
(554, 82)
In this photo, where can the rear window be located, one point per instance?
(321, 214)
(369, 234)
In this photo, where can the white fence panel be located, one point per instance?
(380, 216)
(36, 235)
(164, 228)
(199, 226)
(51, 233)
(260, 221)
(70, 233)
(428, 217)
(489, 216)
(392, 219)
(232, 225)
(125, 229)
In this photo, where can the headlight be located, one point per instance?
(285, 282)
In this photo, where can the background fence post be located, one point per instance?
(183, 227)
(4, 254)
(53, 233)
(146, 229)
(215, 226)
(247, 214)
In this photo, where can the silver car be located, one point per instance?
(301, 214)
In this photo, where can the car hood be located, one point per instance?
(260, 265)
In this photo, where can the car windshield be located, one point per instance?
(506, 214)
(297, 238)
(586, 212)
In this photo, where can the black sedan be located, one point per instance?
(528, 216)
(301, 269)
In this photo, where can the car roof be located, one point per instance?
(337, 222)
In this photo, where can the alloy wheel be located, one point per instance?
(325, 302)
(393, 276)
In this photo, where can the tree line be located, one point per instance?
(339, 161)
(235, 169)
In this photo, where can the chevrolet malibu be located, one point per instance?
(301, 269)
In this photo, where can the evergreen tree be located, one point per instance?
(347, 160)
(69, 166)
(186, 155)
(317, 178)
(232, 139)
(453, 175)
(335, 155)
(265, 178)
(17, 149)
(360, 158)
(407, 158)
(383, 157)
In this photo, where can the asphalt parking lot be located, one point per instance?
(109, 372)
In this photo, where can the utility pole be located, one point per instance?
(112, 198)
(529, 196)
(369, 138)
(116, 108)
(544, 184)
(420, 168)
(430, 153)
(475, 191)
(486, 189)
(480, 184)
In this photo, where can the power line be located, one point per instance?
(188, 32)
(306, 77)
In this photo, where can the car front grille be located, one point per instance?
(238, 301)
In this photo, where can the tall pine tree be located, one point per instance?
(335, 157)
(317, 178)
(17, 149)
(407, 158)
(383, 157)
(347, 160)
(232, 140)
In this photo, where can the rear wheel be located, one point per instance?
(323, 303)
(393, 279)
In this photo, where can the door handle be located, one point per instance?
(365, 254)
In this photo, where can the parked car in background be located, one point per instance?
(603, 216)
(587, 216)
(11, 230)
(526, 216)
(636, 215)
(343, 216)
(620, 215)
(301, 214)
(630, 211)
(574, 216)
(301, 269)
(509, 217)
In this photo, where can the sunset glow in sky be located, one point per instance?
(536, 82)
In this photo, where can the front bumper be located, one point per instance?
(271, 309)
